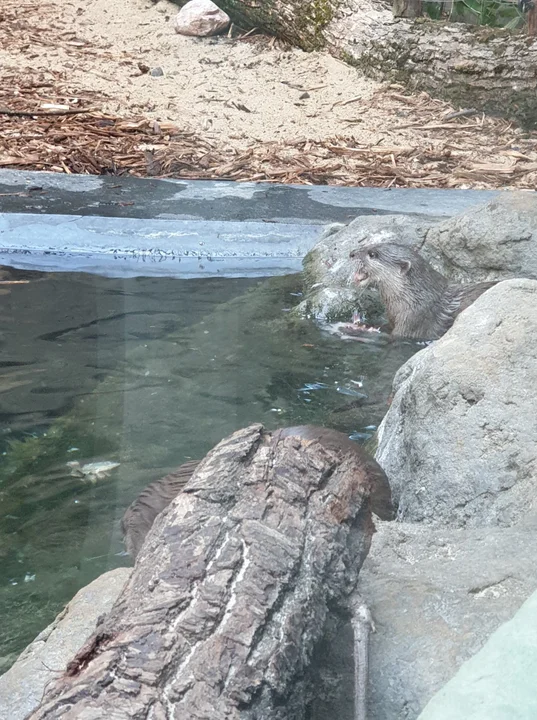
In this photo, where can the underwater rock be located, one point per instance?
(92, 471)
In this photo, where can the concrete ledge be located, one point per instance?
(133, 226)
(128, 247)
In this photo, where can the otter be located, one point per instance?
(420, 302)
(140, 515)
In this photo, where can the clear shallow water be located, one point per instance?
(147, 373)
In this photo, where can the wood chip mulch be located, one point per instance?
(46, 125)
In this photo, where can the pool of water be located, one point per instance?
(146, 373)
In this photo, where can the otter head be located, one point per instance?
(382, 263)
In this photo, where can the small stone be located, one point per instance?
(304, 96)
(201, 18)
(157, 72)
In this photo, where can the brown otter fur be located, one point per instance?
(420, 302)
(141, 514)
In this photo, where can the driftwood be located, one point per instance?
(479, 67)
(231, 590)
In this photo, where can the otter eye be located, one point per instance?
(373, 254)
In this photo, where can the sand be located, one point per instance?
(237, 91)
(206, 79)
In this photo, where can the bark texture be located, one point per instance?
(231, 590)
(480, 67)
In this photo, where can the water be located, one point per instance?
(147, 373)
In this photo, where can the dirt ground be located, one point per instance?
(241, 107)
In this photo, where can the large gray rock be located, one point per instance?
(499, 683)
(329, 290)
(22, 687)
(495, 241)
(436, 595)
(459, 442)
(490, 242)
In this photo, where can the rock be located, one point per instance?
(157, 72)
(22, 687)
(436, 595)
(459, 442)
(490, 242)
(494, 241)
(201, 18)
(499, 682)
(330, 293)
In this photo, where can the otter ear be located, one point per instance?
(405, 266)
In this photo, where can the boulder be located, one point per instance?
(489, 242)
(459, 442)
(499, 682)
(22, 687)
(329, 290)
(201, 18)
(436, 595)
(494, 241)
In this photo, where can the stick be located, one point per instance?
(362, 626)
(41, 113)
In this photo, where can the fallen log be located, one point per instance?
(486, 68)
(141, 514)
(231, 589)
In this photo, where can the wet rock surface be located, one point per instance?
(436, 595)
(494, 241)
(330, 292)
(22, 687)
(499, 682)
(459, 445)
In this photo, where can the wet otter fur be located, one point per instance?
(140, 515)
(420, 302)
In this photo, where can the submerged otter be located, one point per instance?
(141, 514)
(420, 302)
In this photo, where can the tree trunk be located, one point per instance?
(481, 67)
(485, 68)
(231, 590)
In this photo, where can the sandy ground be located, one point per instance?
(237, 91)
(206, 82)
(204, 79)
